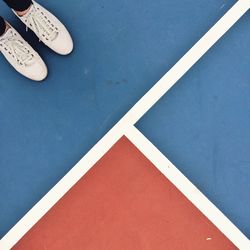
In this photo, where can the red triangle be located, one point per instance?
(124, 202)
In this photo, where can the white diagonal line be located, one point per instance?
(187, 61)
(188, 189)
(140, 108)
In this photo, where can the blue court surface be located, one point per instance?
(121, 49)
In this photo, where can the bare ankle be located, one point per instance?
(22, 13)
(7, 26)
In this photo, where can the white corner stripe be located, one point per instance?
(188, 189)
(144, 104)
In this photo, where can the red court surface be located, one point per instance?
(124, 202)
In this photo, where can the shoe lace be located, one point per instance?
(17, 49)
(41, 25)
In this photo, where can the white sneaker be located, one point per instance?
(48, 29)
(22, 56)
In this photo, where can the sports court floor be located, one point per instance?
(202, 125)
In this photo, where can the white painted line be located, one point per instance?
(188, 189)
(187, 61)
(60, 189)
(144, 104)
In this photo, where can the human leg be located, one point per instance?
(18, 5)
(2, 26)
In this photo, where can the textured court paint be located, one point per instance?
(203, 125)
(124, 203)
(145, 103)
(122, 48)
